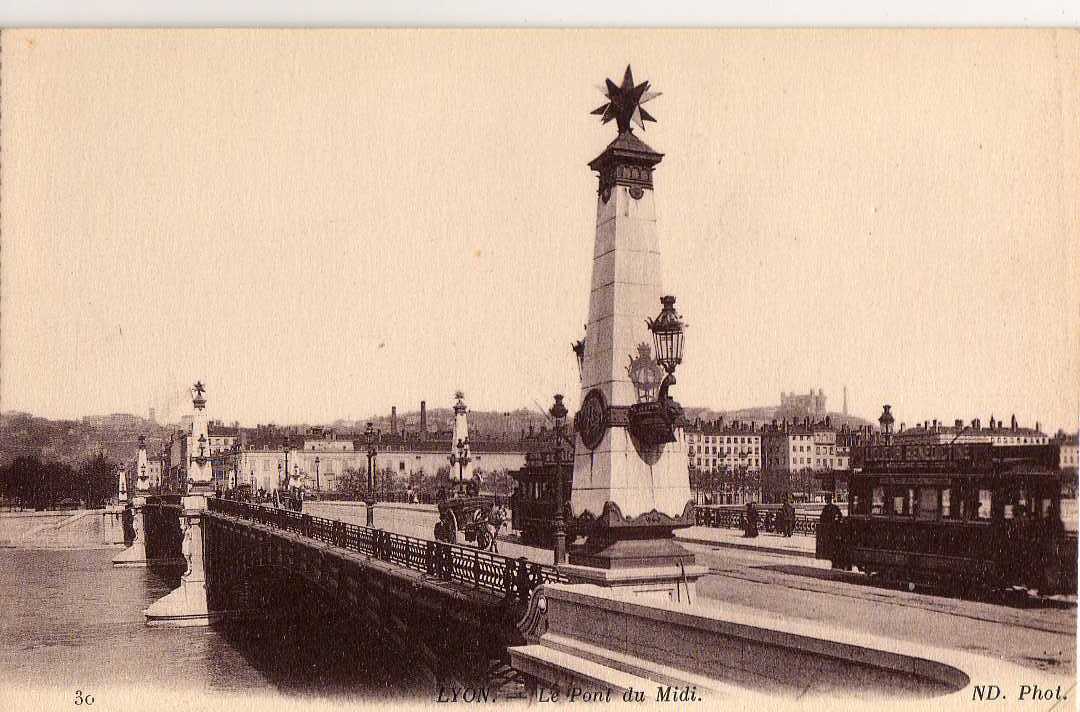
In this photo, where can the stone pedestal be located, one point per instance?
(674, 583)
(135, 555)
(187, 604)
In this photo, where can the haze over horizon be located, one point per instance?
(323, 225)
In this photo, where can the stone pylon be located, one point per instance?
(461, 467)
(632, 492)
(121, 486)
(187, 604)
(135, 555)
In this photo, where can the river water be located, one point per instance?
(71, 622)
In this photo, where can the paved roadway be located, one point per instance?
(1033, 633)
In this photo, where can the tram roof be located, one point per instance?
(968, 459)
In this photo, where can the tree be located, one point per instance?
(352, 484)
(99, 478)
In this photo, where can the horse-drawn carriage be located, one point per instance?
(468, 514)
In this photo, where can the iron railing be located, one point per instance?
(735, 518)
(514, 579)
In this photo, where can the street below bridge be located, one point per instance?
(1035, 633)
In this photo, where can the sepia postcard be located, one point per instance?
(549, 369)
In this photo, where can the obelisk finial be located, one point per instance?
(624, 102)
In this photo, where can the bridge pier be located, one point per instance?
(186, 606)
(135, 555)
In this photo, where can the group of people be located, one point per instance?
(784, 523)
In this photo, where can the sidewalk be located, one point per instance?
(795, 545)
(378, 505)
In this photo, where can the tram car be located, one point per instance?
(536, 498)
(972, 515)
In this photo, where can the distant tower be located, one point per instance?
(153, 416)
(393, 420)
(845, 400)
(423, 419)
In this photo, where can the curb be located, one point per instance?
(746, 547)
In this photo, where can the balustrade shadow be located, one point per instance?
(452, 624)
(1012, 598)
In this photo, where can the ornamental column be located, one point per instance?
(135, 555)
(631, 483)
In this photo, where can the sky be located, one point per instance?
(323, 224)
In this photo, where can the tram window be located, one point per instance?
(927, 503)
(901, 501)
(946, 503)
(983, 511)
(1047, 506)
(877, 505)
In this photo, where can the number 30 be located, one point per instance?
(80, 698)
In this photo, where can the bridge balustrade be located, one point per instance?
(735, 518)
(514, 579)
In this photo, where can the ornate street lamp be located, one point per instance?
(317, 487)
(668, 330)
(579, 353)
(284, 474)
(461, 459)
(645, 374)
(654, 422)
(558, 413)
(369, 433)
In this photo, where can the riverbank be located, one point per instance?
(62, 530)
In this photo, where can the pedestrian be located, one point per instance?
(495, 524)
(751, 520)
(829, 544)
(787, 517)
(128, 520)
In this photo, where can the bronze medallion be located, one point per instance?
(591, 421)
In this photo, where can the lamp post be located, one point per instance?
(461, 459)
(558, 412)
(369, 433)
(317, 487)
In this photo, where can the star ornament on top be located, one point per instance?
(624, 102)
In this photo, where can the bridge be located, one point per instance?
(451, 610)
(471, 619)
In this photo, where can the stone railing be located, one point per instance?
(502, 575)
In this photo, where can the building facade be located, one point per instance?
(725, 461)
(931, 432)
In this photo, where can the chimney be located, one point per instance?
(393, 420)
(423, 419)
(1038, 427)
(902, 426)
(1013, 422)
